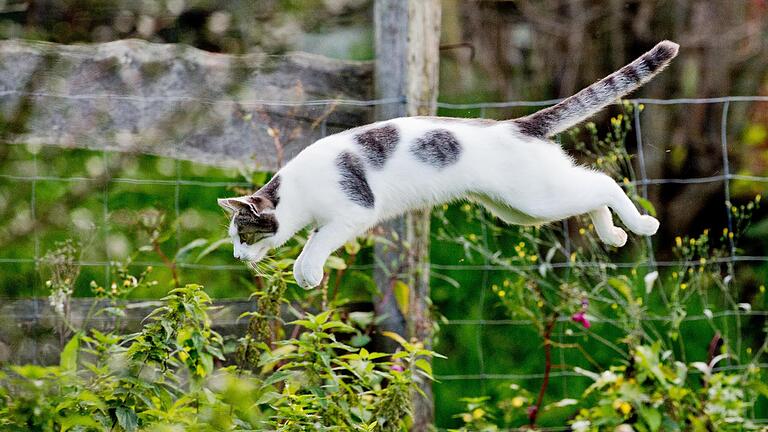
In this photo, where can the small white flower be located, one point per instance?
(649, 279)
(565, 402)
(746, 307)
(580, 426)
(708, 313)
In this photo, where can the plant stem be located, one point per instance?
(533, 411)
(168, 263)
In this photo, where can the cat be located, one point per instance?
(348, 182)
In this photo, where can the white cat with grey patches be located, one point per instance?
(346, 183)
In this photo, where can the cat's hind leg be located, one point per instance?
(580, 191)
(503, 211)
(606, 231)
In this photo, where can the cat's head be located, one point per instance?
(253, 224)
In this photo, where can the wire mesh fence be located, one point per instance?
(178, 187)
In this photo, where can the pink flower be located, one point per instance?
(581, 318)
(396, 368)
(532, 411)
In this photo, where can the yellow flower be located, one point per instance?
(725, 231)
(506, 283)
(625, 408)
(641, 107)
(762, 288)
(478, 413)
(730, 235)
(573, 256)
(518, 401)
(758, 198)
(582, 231)
(472, 237)
(622, 406)
(678, 241)
(614, 306)
(467, 418)
(703, 261)
(533, 258)
(495, 287)
(502, 293)
(683, 286)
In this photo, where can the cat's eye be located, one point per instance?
(250, 237)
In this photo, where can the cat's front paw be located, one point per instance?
(306, 274)
(617, 238)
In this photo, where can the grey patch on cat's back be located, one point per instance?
(438, 148)
(378, 144)
(353, 180)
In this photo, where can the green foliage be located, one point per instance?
(657, 393)
(600, 320)
(173, 375)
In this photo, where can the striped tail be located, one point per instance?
(582, 105)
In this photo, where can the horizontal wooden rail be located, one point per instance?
(178, 101)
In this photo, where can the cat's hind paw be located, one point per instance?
(618, 237)
(648, 226)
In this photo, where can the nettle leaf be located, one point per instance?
(127, 418)
(647, 205)
(424, 365)
(68, 361)
(72, 421)
(335, 263)
(360, 340)
(402, 293)
(652, 418)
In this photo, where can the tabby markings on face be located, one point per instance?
(252, 216)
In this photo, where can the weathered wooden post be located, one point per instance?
(407, 60)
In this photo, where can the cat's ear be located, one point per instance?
(237, 204)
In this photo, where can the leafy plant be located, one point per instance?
(173, 373)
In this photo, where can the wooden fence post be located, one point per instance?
(407, 64)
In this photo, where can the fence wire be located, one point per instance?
(644, 181)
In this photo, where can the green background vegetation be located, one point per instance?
(107, 218)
